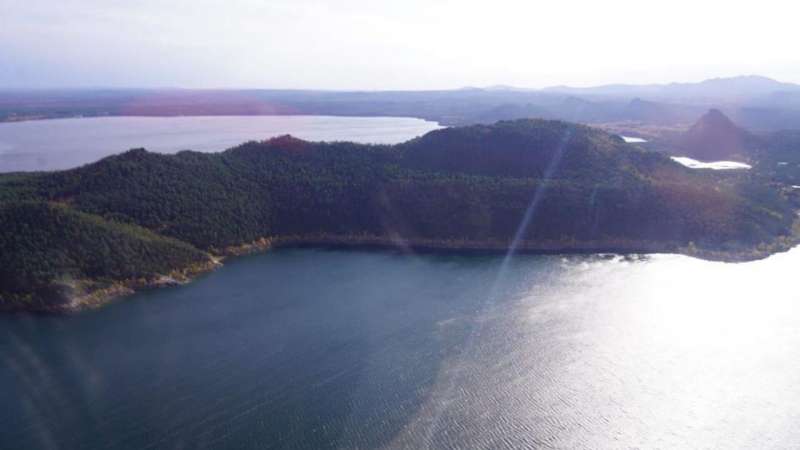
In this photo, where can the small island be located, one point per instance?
(78, 238)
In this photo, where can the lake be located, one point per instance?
(317, 349)
(633, 140)
(713, 165)
(66, 143)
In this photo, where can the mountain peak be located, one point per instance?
(715, 137)
(716, 122)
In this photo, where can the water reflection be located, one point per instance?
(328, 349)
(666, 351)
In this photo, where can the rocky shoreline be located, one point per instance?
(88, 294)
(79, 295)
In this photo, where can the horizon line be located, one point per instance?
(490, 87)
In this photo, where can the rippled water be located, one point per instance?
(332, 349)
(66, 143)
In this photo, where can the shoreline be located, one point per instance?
(90, 294)
(497, 247)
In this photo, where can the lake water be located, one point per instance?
(65, 143)
(316, 349)
(633, 140)
(713, 165)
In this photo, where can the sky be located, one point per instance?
(401, 44)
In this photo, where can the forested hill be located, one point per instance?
(132, 219)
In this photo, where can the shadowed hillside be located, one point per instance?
(714, 137)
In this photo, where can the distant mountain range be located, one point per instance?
(755, 102)
(717, 89)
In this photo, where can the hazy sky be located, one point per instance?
(403, 44)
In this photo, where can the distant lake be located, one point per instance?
(318, 349)
(633, 140)
(66, 143)
(713, 165)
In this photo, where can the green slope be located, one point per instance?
(581, 188)
(48, 252)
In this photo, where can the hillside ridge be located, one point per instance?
(147, 216)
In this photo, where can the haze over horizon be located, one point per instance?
(363, 45)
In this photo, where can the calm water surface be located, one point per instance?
(315, 349)
(66, 143)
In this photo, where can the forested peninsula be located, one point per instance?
(77, 238)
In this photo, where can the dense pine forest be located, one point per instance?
(543, 185)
